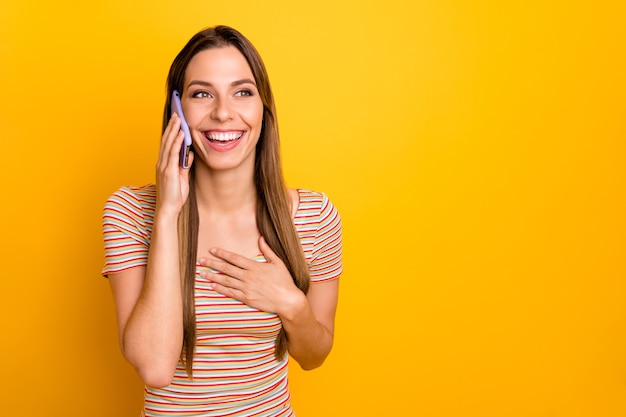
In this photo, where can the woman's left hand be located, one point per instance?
(266, 286)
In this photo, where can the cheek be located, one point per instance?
(254, 116)
(194, 115)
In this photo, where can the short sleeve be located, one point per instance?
(126, 237)
(326, 262)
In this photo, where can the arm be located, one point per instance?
(149, 309)
(310, 324)
(148, 298)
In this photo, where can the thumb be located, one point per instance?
(267, 251)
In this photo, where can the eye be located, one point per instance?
(201, 94)
(244, 93)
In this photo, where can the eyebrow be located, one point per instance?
(233, 84)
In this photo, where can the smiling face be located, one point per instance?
(223, 109)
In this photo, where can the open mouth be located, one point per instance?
(223, 137)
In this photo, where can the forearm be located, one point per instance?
(152, 338)
(309, 342)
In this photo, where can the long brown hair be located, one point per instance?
(273, 210)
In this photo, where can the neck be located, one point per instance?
(225, 192)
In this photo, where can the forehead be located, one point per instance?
(218, 64)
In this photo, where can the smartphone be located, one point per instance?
(177, 108)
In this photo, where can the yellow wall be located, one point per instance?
(476, 150)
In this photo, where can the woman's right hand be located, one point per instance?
(172, 181)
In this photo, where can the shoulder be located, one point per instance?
(130, 204)
(316, 214)
(127, 224)
(134, 194)
(310, 203)
(318, 224)
(133, 197)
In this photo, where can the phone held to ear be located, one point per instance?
(177, 108)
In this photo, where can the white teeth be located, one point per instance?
(223, 136)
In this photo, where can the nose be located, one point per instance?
(221, 110)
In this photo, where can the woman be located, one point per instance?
(210, 268)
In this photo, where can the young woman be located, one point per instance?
(219, 271)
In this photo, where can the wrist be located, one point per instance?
(295, 308)
(164, 216)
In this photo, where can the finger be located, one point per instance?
(191, 157)
(223, 280)
(225, 268)
(174, 119)
(173, 126)
(185, 171)
(228, 291)
(174, 150)
(269, 254)
(232, 258)
(170, 160)
(169, 134)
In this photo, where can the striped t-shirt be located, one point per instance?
(235, 372)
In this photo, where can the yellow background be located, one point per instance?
(475, 150)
